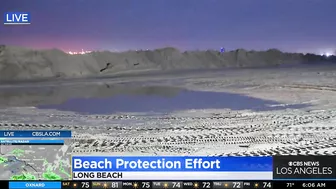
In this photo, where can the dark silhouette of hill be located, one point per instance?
(18, 63)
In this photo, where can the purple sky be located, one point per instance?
(290, 25)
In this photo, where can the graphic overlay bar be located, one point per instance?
(31, 142)
(171, 168)
(178, 184)
(304, 167)
(171, 163)
(35, 134)
(196, 184)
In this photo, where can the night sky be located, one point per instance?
(289, 25)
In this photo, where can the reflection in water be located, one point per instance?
(104, 98)
(159, 102)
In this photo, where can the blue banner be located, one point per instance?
(22, 141)
(40, 184)
(35, 134)
(171, 163)
(17, 18)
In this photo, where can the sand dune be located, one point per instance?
(17, 63)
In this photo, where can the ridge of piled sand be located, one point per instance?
(18, 63)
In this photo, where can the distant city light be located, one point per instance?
(327, 54)
(81, 52)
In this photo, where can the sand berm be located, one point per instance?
(19, 63)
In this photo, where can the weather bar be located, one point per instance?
(258, 184)
(31, 142)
